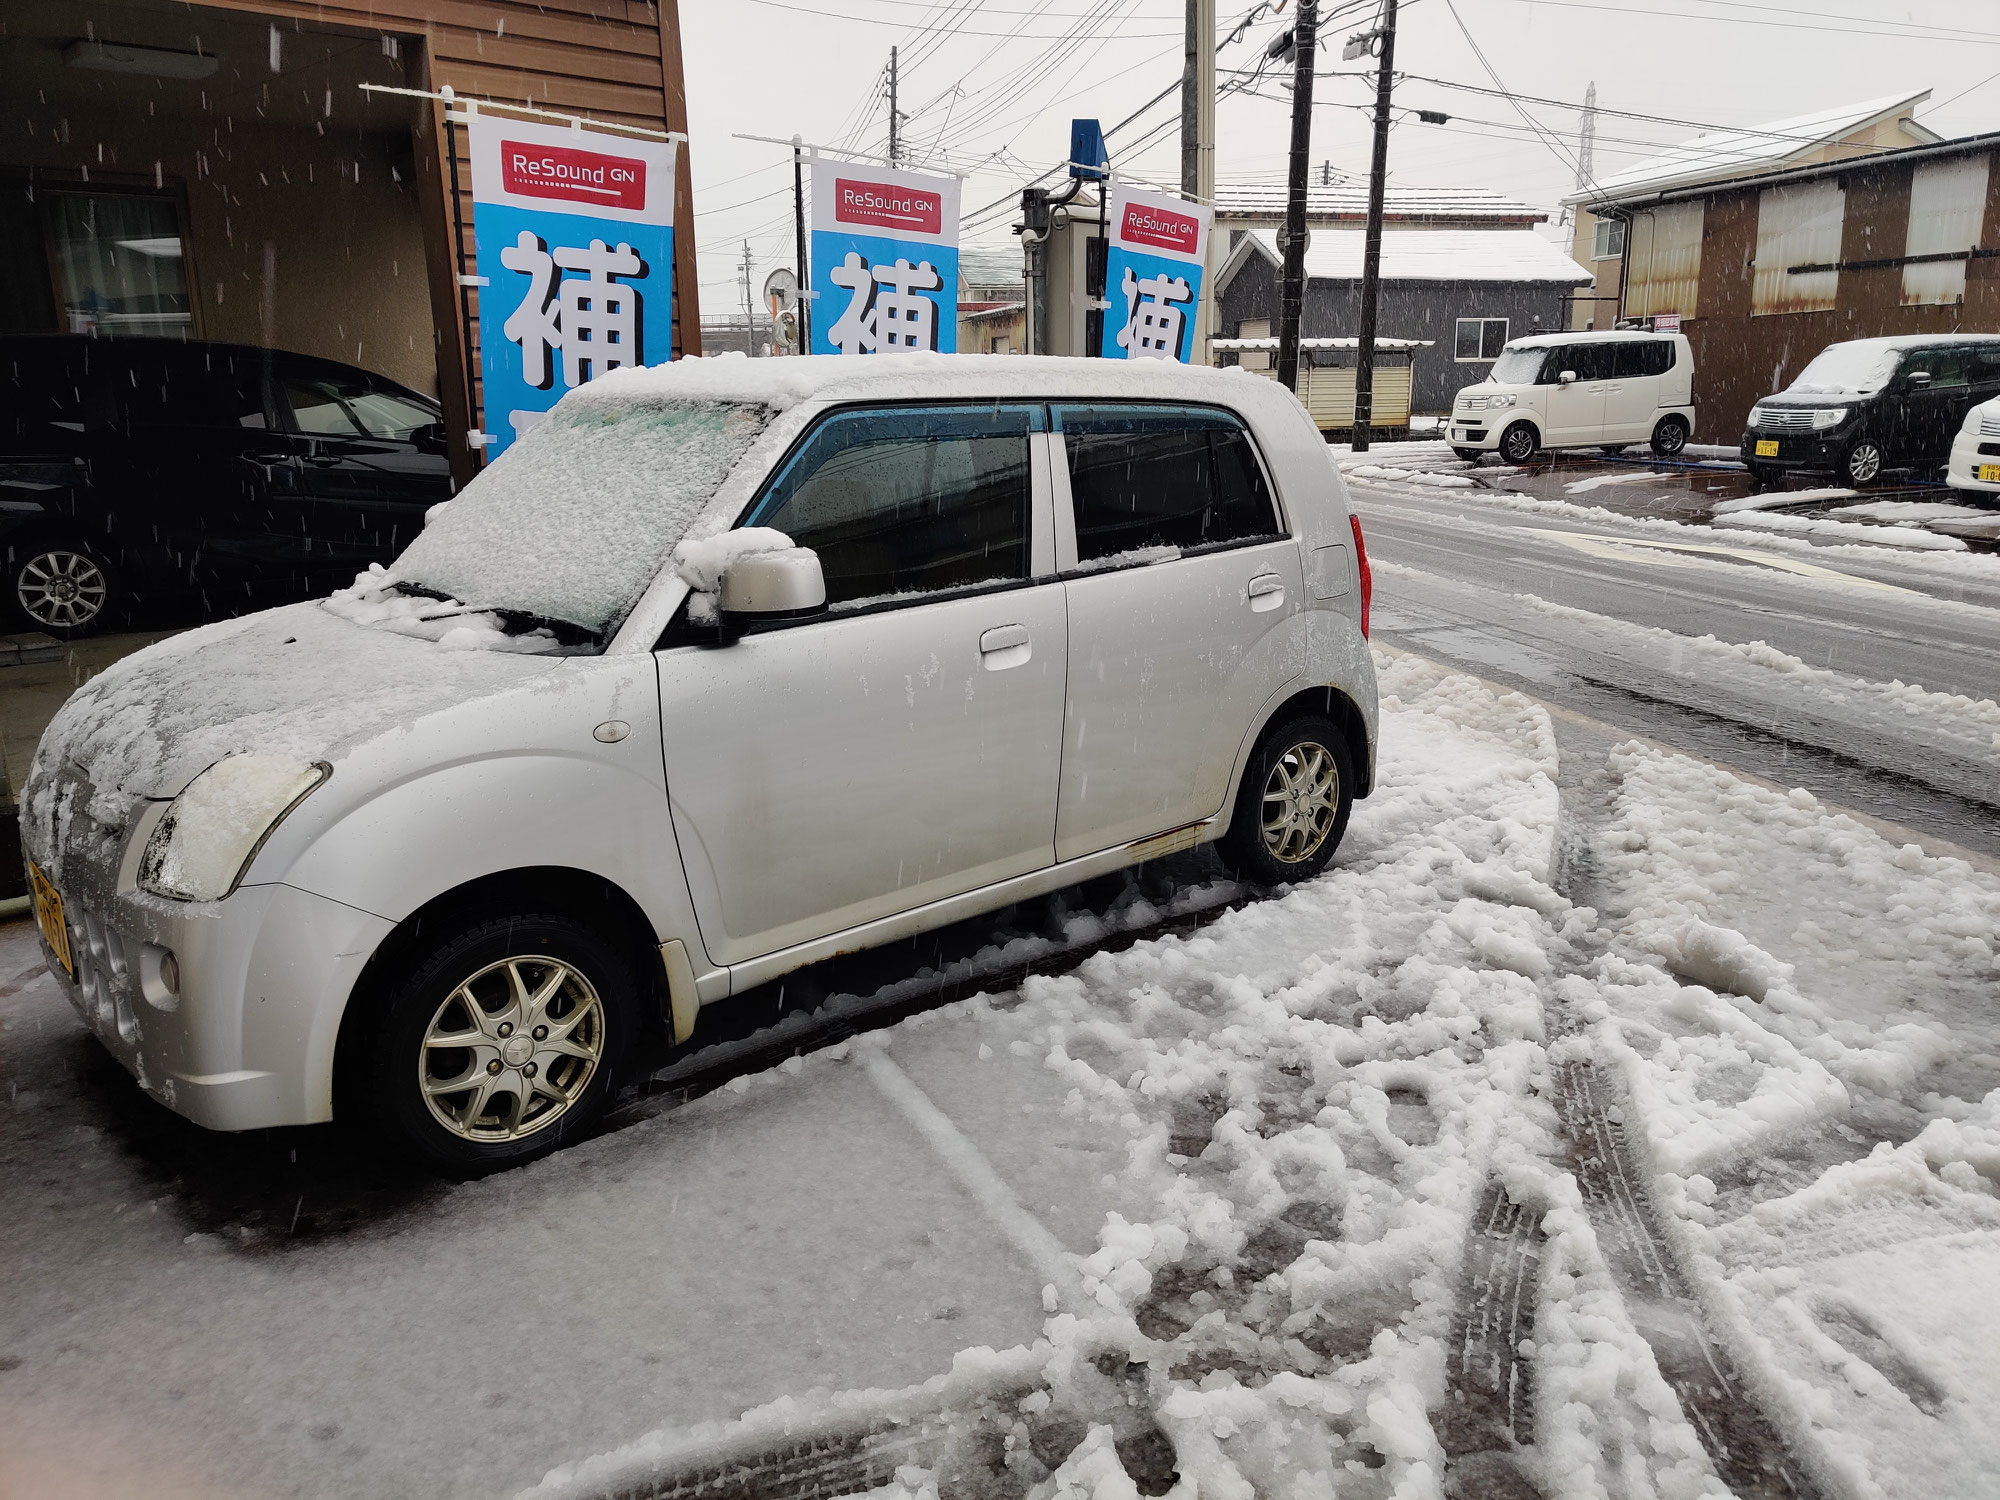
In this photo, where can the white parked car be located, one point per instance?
(726, 668)
(1579, 390)
(1975, 452)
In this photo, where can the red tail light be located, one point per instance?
(1367, 577)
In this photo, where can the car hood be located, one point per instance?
(298, 680)
(1818, 403)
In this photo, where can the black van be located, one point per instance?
(134, 469)
(1870, 405)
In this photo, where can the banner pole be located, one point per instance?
(473, 421)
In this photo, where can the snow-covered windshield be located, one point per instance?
(1518, 366)
(1857, 368)
(576, 519)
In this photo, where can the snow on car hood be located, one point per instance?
(299, 680)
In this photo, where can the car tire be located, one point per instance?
(1862, 463)
(1469, 455)
(1293, 804)
(61, 588)
(1518, 443)
(558, 1005)
(1670, 436)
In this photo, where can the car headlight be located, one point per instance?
(1493, 401)
(203, 844)
(1757, 416)
(1828, 416)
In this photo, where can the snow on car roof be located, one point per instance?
(1597, 336)
(783, 383)
(1916, 340)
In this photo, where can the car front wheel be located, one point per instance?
(1670, 436)
(1293, 804)
(501, 1043)
(61, 589)
(1518, 443)
(1863, 463)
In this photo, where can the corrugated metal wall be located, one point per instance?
(1947, 205)
(1664, 260)
(1797, 225)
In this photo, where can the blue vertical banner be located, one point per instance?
(1152, 275)
(884, 260)
(575, 235)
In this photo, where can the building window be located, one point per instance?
(1947, 202)
(1480, 339)
(118, 263)
(1608, 239)
(1797, 226)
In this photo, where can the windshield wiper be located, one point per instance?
(512, 621)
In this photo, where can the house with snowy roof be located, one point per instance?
(1765, 245)
(1450, 295)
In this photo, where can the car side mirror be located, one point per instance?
(760, 587)
(1920, 380)
(1568, 377)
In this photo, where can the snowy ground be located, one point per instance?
(1222, 1205)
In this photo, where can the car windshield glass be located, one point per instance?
(575, 519)
(1841, 368)
(1518, 366)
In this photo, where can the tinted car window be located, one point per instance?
(1589, 361)
(180, 387)
(1630, 360)
(1660, 355)
(1143, 477)
(1983, 364)
(1946, 367)
(909, 500)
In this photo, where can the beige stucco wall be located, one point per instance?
(325, 213)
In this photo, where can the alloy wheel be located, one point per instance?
(1301, 800)
(1517, 444)
(61, 589)
(1864, 462)
(511, 1049)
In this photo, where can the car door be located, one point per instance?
(374, 462)
(1184, 595)
(1575, 408)
(1631, 391)
(904, 746)
(1930, 411)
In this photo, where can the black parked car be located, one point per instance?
(1870, 405)
(137, 469)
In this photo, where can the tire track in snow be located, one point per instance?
(1488, 1410)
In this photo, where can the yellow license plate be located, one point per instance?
(1989, 473)
(49, 916)
(1767, 447)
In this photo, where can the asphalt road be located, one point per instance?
(1457, 569)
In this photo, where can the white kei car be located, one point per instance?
(1974, 464)
(727, 667)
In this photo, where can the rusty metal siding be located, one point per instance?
(1663, 261)
(1797, 225)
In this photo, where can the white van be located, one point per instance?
(1579, 390)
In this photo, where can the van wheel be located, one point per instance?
(1293, 805)
(1670, 436)
(501, 1043)
(62, 588)
(1863, 463)
(1518, 443)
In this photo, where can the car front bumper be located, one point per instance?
(1970, 452)
(1476, 429)
(246, 1040)
(1797, 450)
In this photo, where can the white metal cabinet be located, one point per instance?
(850, 768)
(1168, 665)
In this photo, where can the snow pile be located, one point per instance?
(1597, 480)
(1777, 500)
(1819, 526)
(1914, 512)
(373, 599)
(1409, 476)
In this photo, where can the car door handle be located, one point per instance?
(1005, 646)
(1267, 591)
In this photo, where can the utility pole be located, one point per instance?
(1198, 142)
(799, 244)
(895, 121)
(749, 320)
(1371, 250)
(1291, 299)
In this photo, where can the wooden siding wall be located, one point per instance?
(613, 60)
(1738, 358)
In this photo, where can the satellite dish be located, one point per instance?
(781, 291)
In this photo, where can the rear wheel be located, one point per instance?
(63, 589)
(1862, 463)
(501, 1043)
(1670, 435)
(1293, 805)
(1518, 443)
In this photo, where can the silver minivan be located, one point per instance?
(1579, 390)
(725, 668)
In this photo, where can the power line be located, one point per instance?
(1979, 38)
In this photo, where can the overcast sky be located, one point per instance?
(991, 85)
